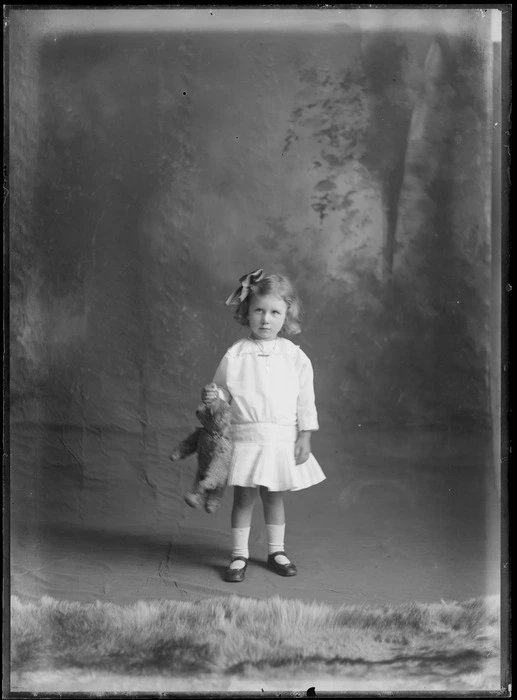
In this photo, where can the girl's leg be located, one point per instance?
(273, 503)
(243, 503)
(242, 511)
(274, 515)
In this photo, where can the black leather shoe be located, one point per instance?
(282, 569)
(236, 575)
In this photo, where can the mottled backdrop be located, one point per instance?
(150, 168)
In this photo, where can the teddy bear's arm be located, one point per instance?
(187, 446)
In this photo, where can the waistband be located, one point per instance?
(263, 432)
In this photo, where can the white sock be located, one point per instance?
(275, 542)
(240, 537)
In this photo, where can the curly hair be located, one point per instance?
(278, 286)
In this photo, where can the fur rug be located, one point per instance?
(236, 643)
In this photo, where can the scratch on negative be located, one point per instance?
(180, 589)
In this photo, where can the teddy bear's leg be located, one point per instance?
(214, 499)
(194, 499)
(210, 483)
(216, 473)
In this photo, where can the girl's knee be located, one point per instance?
(271, 496)
(244, 496)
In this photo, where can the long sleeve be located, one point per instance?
(221, 379)
(306, 409)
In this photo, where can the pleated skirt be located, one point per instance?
(263, 455)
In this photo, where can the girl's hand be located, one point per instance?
(302, 447)
(210, 393)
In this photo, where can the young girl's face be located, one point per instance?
(266, 316)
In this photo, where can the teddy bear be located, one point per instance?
(213, 447)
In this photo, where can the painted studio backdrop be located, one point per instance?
(149, 169)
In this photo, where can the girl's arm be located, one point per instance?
(302, 447)
(307, 413)
(220, 379)
(306, 410)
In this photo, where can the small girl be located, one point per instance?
(268, 381)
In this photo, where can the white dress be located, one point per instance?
(272, 398)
